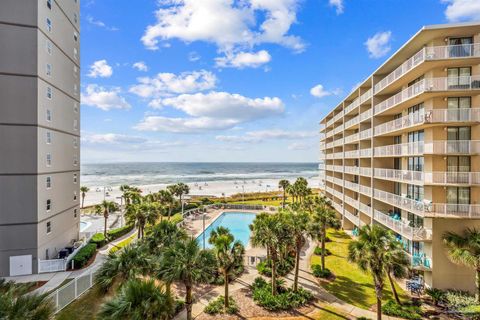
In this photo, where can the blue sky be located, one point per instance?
(219, 80)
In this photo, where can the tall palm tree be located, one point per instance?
(166, 198)
(125, 188)
(284, 184)
(396, 264)
(107, 207)
(141, 214)
(229, 254)
(139, 299)
(323, 217)
(293, 192)
(297, 220)
(163, 235)
(301, 187)
(84, 190)
(465, 250)
(179, 190)
(369, 253)
(15, 303)
(187, 263)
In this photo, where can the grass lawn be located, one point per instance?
(351, 284)
(84, 308)
(329, 313)
(260, 202)
(123, 243)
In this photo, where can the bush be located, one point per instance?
(179, 305)
(391, 308)
(436, 295)
(319, 273)
(117, 233)
(285, 299)
(318, 251)
(363, 318)
(84, 255)
(98, 239)
(283, 267)
(217, 306)
(459, 299)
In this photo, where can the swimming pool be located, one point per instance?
(237, 222)
(84, 225)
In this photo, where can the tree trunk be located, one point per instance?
(274, 276)
(83, 199)
(379, 309)
(225, 276)
(297, 266)
(283, 205)
(394, 290)
(105, 216)
(268, 254)
(188, 301)
(323, 246)
(139, 232)
(477, 294)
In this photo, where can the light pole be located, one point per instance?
(203, 215)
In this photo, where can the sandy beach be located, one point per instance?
(205, 188)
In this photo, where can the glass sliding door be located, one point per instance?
(459, 108)
(460, 47)
(459, 78)
(458, 199)
(458, 139)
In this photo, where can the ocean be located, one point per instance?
(142, 173)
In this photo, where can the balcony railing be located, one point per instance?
(351, 185)
(365, 134)
(366, 96)
(366, 171)
(399, 175)
(401, 149)
(352, 105)
(365, 190)
(453, 147)
(401, 227)
(338, 181)
(352, 154)
(338, 142)
(352, 169)
(352, 122)
(338, 129)
(351, 138)
(399, 201)
(338, 155)
(365, 115)
(429, 53)
(367, 152)
(338, 168)
(453, 210)
(337, 207)
(427, 85)
(468, 178)
(353, 218)
(365, 209)
(352, 202)
(337, 194)
(338, 116)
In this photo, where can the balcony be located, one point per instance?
(352, 122)
(421, 261)
(352, 154)
(338, 116)
(365, 209)
(338, 142)
(338, 168)
(365, 190)
(448, 210)
(353, 218)
(365, 134)
(443, 178)
(453, 147)
(407, 176)
(411, 205)
(352, 106)
(399, 150)
(338, 129)
(429, 85)
(351, 185)
(401, 227)
(352, 169)
(337, 207)
(338, 181)
(351, 138)
(365, 171)
(365, 153)
(337, 194)
(426, 54)
(352, 202)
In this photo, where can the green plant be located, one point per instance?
(363, 318)
(283, 267)
(285, 299)
(118, 232)
(436, 295)
(391, 308)
(98, 239)
(218, 306)
(321, 273)
(459, 299)
(84, 255)
(318, 252)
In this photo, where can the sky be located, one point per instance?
(232, 80)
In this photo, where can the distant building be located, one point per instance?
(402, 150)
(39, 131)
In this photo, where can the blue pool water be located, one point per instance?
(237, 222)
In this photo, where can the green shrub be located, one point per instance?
(459, 299)
(217, 306)
(176, 218)
(319, 273)
(472, 311)
(285, 299)
(179, 305)
(98, 239)
(117, 233)
(436, 295)
(84, 255)
(363, 318)
(283, 267)
(318, 251)
(391, 308)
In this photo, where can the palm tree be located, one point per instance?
(163, 235)
(179, 190)
(259, 231)
(323, 217)
(292, 191)
(84, 190)
(141, 214)
(187, 263)
(301, 187)
(297, 221)
(369, 252)
(166, 198)
(229, 255)
(15, 303)
(396, 264)
(465, 250)
(125, 188)
(284, 184)
(139, 299)
(107, 207)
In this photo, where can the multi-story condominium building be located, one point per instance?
(39, 131)
(402, 149)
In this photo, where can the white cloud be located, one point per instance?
(462, 10)
(320, 92)
(164, 84)
(259, 136)
(300, 146)
(183, 125)
(242, 60)
(338, 5)
(193, 56)
(379, 45)
(111, 138)
(140, 66)
(115, 142)
(103, 98)
(100, 69)
(226, 23)
(100, 24)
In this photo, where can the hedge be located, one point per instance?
(98, 239)
(117, 233)
(84, 255)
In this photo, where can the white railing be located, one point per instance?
(365, 115)
(329, 167)
(329, 145)
(399, 201)
(353, 218)
(453, 147)
(352, 202)
(329, 122)
(338, 116)
(402, 227)
(399, 175)
(366, 96)
(364, 171)
(365, 209)
(329, 156)
(338, 168)
(337, 206)
(351, 185)
(338, 155)
(367, 152)
(401, 149)
(452, 178)
(352, 122)
(337, 194)
(352, 170)
(351, 138)
(430, 84)
(338, 142)
(366, 190)
(338, 129)
(52, 265)
(453, 210)
(329, 178)
(400, 123)
(352, 105)
(365, 134)
(352, 154)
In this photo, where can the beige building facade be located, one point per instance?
(402, 150)
(39, 131)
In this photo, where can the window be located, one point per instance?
(49, 93)
(458, 195)
(49, 69)
(458, 164)
(75, 53)
(460, 47)
(415, 136)
(49, 115)
(75, 89)
(75, 142)
(459, 78)
(49, 227)
(75, 178)
(75, 196)
(48, 47)
(458, 133)
(74, 213)
(49, 205)
(49, 25)
(49, 4)
(75, 107)
(75, 72)
(75, 124)
(415, 163)
(75, 17)
(49, 182)
(75, 160)
(49, 137)
(415, 192)
(414, 220)
(75, 37)
(49, 159)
